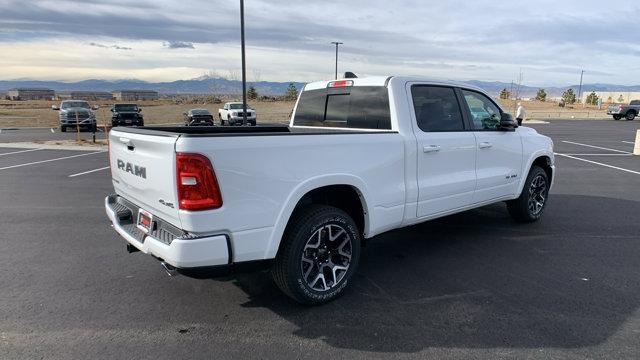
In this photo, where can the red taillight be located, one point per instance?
(197, 184)
(340, 83)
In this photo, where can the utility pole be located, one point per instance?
(336, 43)
(580, 87)
(244, 66)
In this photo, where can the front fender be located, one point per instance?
(304, 188)
(532, 157)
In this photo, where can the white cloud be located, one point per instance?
(551, 41)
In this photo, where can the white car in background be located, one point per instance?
(231, 114)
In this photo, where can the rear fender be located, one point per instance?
(304, 188)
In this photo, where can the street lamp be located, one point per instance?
(336, 43)
(244, 66)
(580, 87)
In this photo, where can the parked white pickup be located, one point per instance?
(231, 114)
(360, 157)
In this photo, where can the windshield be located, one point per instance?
(236, 106)
(200, 112)
(75, 104)
(126, 107)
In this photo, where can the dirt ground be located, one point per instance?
(40, 114)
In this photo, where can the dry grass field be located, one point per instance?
(39, 113)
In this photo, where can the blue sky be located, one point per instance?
(159, 40)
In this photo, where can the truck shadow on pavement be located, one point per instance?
(479, 280)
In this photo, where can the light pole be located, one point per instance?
(336, 43)
(580, 87)
(244, 66)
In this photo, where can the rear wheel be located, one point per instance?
(630, 116)
(533, 199)
(617, 117)
(318, 255)
(63, 128)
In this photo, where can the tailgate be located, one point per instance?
(143, 171)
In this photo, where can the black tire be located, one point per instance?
(533, 199)
(617, 117)
(63, 128)
(304, 259)
(630, 116)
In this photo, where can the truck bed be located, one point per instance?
(207, 131)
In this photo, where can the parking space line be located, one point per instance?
(595, 154)
(89, 172)
(598, 163)
(595, 147)
(21, 151)
(629, 142)
(50, 160)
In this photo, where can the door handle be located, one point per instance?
(431, 148)
(485, 145)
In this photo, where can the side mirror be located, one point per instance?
(507, 123)
(55, 107)
(184, 113)
(139, 110)
(111, 110)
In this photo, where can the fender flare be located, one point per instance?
(303, 189)
(527, 168)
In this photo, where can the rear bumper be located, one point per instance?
(172, 245)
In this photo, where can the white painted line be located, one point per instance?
(89, 172)
(594, 154)
(54, 131)
(50, 160)
(595, 147)
(629, 142)
(18, 152)
(601, 164)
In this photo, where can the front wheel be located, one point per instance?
(63, 128)
(533, 199)
(630, 116)
(617, 117)
(318, 255)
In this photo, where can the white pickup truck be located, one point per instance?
(359, 158)
(231, 114)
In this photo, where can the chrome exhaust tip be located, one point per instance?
(169, 269)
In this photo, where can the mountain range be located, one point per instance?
(217, 85)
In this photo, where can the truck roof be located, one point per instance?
(384, 80)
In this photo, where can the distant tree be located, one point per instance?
(569, 97)
(505, 94)
(609, 99)
(292, 92)
(592, 99)
(541, 95)
(620, 98)
(252, 93)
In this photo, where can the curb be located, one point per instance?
(30, 145)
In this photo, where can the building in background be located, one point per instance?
(135, 95)
(91, 95)
(31, 94)
(616, 97)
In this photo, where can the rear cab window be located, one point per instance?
(355, 107)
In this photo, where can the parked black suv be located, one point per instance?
(126, 115)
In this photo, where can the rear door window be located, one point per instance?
(358, 107)
(437, 108)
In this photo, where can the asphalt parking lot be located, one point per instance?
(473, 285)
